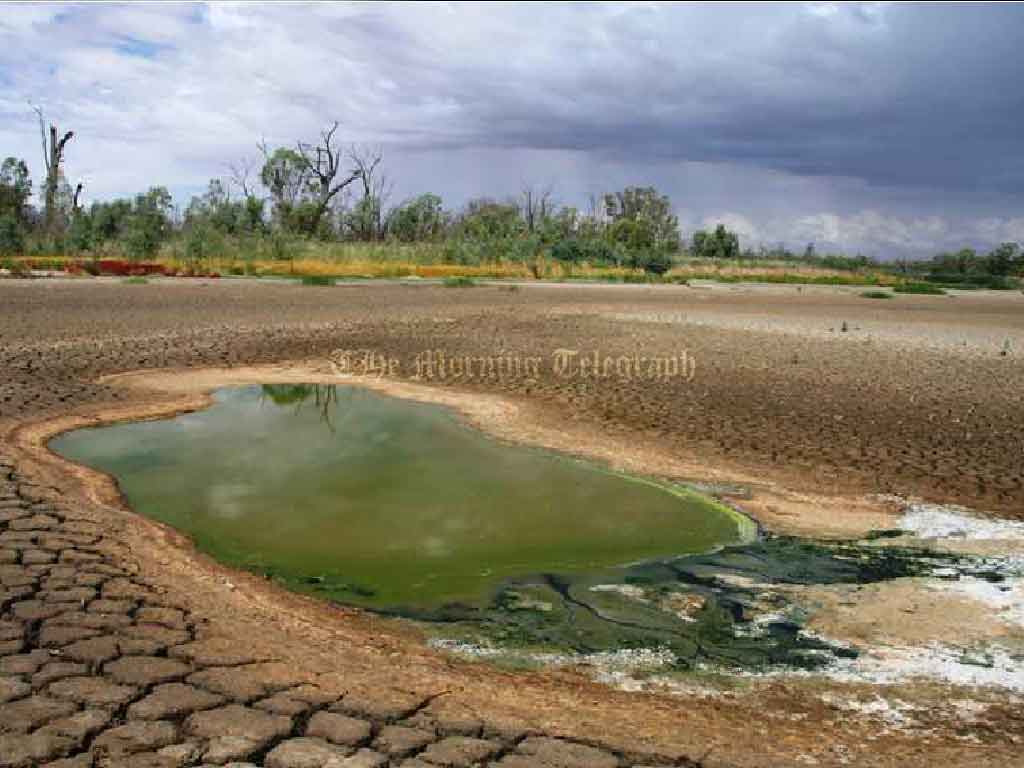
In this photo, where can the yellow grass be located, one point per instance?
(380, 260)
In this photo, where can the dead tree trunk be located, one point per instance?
(324, 162)
(53, 156)
(366, 160)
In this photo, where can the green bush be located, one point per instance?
(1001, 283)
(520, 249)
(568, 251)
(921, 288)
(204, 242)
(575, 250)
(281, 247)
(459, 281)
(318, 280)
(80, 235)
(654, 262)
(11, 240)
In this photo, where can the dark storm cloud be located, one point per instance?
(914, 95)
(874, 125)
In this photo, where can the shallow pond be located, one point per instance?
(387, 503)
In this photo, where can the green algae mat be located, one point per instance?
(390, 504)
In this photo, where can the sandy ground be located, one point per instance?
(809, 421)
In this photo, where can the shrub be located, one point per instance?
(11, 241)
(1001, 283)
(573, 250)
(876, 295)
(459, 281)
(141, 242)
(569, 251)
(655, 262)
(921, 288)
(974, 280)
(284, 248)
(80, 234)
(203, 243)
(318, 280)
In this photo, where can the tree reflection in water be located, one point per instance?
(323, 397)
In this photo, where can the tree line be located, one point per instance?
(328, 191)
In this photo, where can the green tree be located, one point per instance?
(719, 244)
(633, 234)
(149, 224)
(957, 263)
(253, 207)
(361, 221)
(651, 223)
(285, 174)
(15, 191)
(562, 224)
(81, 236)
(215, 209)
(109, 221)
(12, 241)
(487, 219)
(304, 181)
(422, 218)
(1004, 260)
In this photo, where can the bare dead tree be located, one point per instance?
(53, 157)
(367, 160)
(323, 161)
(537, 204)
(261, 145)
(239, 173)
(384, 187)
(75, 205)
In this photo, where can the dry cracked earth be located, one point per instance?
(106, 660)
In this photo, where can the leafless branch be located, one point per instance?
(323, 161)
(239, 172)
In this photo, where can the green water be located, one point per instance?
(382, 502)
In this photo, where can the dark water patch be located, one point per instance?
(721, 609)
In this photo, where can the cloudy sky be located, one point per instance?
(888, 129)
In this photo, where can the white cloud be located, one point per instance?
(871, 228)
(868, 231)
(735, 222)
(1001, 230)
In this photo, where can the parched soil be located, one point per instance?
(120, 644)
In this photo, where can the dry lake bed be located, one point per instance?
(405, 524)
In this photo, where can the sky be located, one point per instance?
(893, 130)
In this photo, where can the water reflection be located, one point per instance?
(324, 397)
